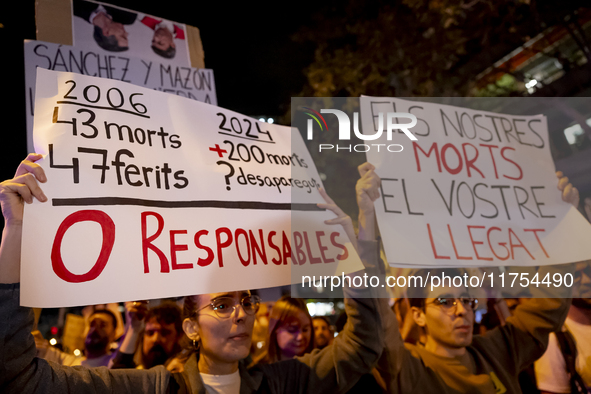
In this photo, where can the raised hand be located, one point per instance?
(367, 190)
(570, 193)
(22, 188)
(13, 195)
(135, 312)
(342, 218)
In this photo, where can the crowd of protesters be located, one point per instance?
(232, 342)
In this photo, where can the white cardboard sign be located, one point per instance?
(476, 189)
(162, 75)
(154, 195)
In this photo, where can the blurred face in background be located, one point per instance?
(159, 342)
(322, 333)
(294, 335)
(291, 332)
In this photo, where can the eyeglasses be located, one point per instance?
(450, 305)
(224, 306)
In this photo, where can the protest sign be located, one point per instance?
(196, 84)
(153, 195)
(475, 189)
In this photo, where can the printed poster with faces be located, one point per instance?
(154, 195)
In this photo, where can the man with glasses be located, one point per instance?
(449, 314)
(452, 360)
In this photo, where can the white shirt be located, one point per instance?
(550, 369)
(221, 384)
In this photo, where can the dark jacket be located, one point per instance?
(333, 369)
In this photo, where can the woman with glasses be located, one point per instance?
(219, 325)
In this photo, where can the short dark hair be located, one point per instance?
(167, 312)
(418, 294)
(105, 312)
(108, 43)
(168, 53)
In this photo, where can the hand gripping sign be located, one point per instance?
(154, 195)
(475, 189)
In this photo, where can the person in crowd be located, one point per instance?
(108, 23)
(152, 335)
(566, 365)
(101, 333)
(322, 332)
(291, 333)
(219, 326)
(97, 344)
(452, 360)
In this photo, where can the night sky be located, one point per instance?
(257, 67)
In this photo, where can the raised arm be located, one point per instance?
(135, 312)
(20, 370)
(367, 191)
(354, 353)
(525, 336)
(342, 218)
(395, 355)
